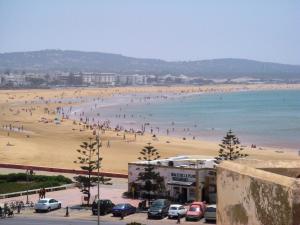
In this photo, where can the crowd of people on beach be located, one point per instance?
(123, 119)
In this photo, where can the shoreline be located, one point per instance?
(132, 122)
(54, 145)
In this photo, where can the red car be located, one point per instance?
(196, 211)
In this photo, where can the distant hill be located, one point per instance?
(76, 61)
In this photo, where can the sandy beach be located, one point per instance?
(30, 135)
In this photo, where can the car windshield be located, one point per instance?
(120, 206)
(42, 201)
(157, 204)
(194, 209)
(210, 209)
(173, 208)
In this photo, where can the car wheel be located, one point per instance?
(49, 209)
(59, 206)
(37, 210)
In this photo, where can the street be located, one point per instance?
(40, 220)
(82, 217)
(50, 221)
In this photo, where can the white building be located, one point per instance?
(180, 177)
(99, 79)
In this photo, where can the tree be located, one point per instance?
(88, 160)
(230, 148)
(152, 181)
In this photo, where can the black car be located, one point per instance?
(159, 209)
(123, 209)
(105, 207)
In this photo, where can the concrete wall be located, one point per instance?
(250, 196)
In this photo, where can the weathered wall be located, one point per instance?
(290, 172)
(249, 196)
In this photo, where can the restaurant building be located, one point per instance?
(180, 177)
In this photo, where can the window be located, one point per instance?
(42, 201)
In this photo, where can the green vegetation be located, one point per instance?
(151, 180)
(88, 161)
(230, 148)
(14, 182)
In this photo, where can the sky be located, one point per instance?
(264, 30)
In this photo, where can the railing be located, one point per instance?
(60, 170)
(35, 191)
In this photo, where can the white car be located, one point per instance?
(175, 210)
(47, 204)
(210, 213)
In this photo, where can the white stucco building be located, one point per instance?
(180, 177)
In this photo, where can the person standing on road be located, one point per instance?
(178, 218)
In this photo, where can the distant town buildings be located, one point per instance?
(92, 79)
(104, 79)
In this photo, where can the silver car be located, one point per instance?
(47, 204)
(210, 213)
(176, 210)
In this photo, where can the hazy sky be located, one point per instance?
(267, 30)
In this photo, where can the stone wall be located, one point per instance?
(250, 196)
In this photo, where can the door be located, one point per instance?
(52, 203)
(183, 195)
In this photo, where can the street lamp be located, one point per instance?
(27, 182)
(98, 176)
(28, 172)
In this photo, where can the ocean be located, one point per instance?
(263, 118)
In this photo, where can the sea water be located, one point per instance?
(263, 118)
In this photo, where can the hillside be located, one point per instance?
(76, 61)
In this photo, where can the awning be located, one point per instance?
(181, 183)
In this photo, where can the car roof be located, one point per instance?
(47, 199)
(212, 206)
(175, 205)
(161, 200)
(122, 204)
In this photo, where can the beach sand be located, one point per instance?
(42, 142)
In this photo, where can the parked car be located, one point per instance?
(47, 204)
(196, 211)
(210, 213)
(123, 209)
(176, 210)
(106, 206)
(159, 209)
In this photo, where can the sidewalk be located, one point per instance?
(73, 196)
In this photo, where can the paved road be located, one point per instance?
(82, 218)
(52, 221)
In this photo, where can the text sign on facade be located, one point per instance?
(183, 177)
